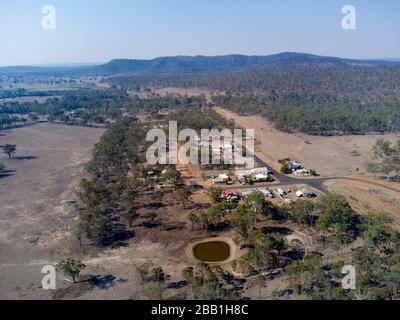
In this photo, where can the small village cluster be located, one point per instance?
(246, 177)
(258, 175)
(236, 196)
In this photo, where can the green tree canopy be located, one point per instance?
(71, 268)
(10, 150)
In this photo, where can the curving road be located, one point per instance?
(316, 183)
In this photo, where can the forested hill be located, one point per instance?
(180, 65)
(200, 65)
(223, 64)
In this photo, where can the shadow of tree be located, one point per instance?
(26, 158)
(6, 173)
(103, 282)
(121, 236)
(293, 255)
(178, 285)
(278, 230)
(151, 224)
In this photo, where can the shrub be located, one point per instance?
(286, 168)
(285, 160)
(158, 275)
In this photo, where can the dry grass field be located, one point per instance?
(35, 223)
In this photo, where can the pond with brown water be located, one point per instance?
(213, 251)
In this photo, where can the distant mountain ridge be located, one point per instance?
(180, 64)
(198, 64)
(222, 64)
(40, 70)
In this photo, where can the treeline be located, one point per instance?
(20, 92)
(108, 195)
(108, 100)
(98, 106)
(120, 183)
(317, 114)
(7, 121)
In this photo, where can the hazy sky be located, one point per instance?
(100, 30)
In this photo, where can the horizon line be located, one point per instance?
(83, 64)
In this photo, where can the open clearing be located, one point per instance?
(45, 173)
(38, 99)
(173, 91)
(35, 224)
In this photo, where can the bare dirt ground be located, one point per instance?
(173, 91)
(45, 173)
(184, 91)
(30, 99)
(345, 156)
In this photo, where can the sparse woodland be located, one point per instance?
(117, 180)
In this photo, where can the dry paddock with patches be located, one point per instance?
(35, 222)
